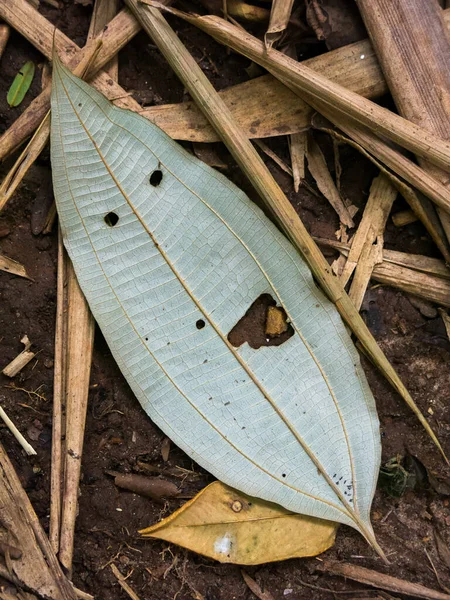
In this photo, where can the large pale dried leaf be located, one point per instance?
(170, 255)
(230, 527)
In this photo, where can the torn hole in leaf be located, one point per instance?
(111, 219)
(264, 324)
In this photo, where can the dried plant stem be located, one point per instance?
(414, 58)
(79, 344)
(32, 25)
(279, 19)
(16, 433)
(382, 581)
(104, 12)
(376, 212)
(123, 584)
(59, 381)
(38, 571)
(381, 154)
(248, 159)
(341, 100)
(428, 278)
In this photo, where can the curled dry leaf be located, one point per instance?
(231, 527)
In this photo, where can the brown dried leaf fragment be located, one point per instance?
(276, 323)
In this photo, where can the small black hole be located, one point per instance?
(283, 475)
(156, 178)
(200, 324)
(111, 219)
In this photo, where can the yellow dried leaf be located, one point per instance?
(276, 321)
(226, 525)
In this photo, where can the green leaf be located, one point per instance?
(171, 255)
(21, 84)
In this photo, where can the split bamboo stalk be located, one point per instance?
(422, 276)
(307, 81)
(279, 19)
(376, 212)
(32, 25)
(59, 381)
(384, 156)
(80, 343)
(412, 45)
(37, 570)
(248, 159)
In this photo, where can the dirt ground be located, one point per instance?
(120, 437)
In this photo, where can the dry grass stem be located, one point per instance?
(366, 143)
(279, 19)
(4, 37)
(404, 217)
(341, 100)
(238, 9)
(297, 148)
(318, 168)
(381, 581)
(123, 584)
(271, 154)
(104, 12)
(16, 433)
(39, 32)
(253, 167)
(21, 360)
(414, 58)
(370, 232)
(38, 570)
(75, 364)
(12, 266)
(59, 382)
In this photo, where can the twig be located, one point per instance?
(16, 433)
(104, 12)
(254, 168)
(271, 154)
(381, 581)
(279, 19)
(21, 360)
(123, 584)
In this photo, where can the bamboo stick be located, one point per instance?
(428, 278)
(80, 343)
(307, 81)
(251, 164)
(376, 212)
(412, 45)
(377, 151)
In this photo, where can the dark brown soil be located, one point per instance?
(120, 437)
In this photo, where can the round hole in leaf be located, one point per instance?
(156, 178)
(200, 324)
(111, 219)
